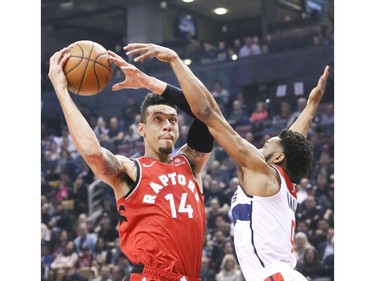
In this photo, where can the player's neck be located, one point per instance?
(162, 157)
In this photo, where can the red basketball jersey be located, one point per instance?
(162, 218)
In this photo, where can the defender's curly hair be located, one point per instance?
(298, 152)
(153, 99)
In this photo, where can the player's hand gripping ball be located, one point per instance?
(88, 69)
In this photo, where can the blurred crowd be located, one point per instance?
(77, 246)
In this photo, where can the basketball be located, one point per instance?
(88, 69)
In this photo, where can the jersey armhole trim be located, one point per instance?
(136, 182)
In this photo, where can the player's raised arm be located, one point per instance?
(203, 105)
(104, 164)
(304, 120)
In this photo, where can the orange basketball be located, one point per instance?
(88, 69)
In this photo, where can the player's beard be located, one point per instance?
(166, 150)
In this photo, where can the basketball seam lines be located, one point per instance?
(87, 65)
(88, 59)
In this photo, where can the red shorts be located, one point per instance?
(145, 273)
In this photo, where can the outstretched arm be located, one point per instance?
(304, 120)
(203, 105)
(104, 164)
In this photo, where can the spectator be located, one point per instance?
(67, 259)
(116, 253)
(212, 211)
(260, 117)
(229, 192)
(115, 133)
(324, 166)
(215, 191)
(132, 134)
(319, 234)
(255, 48)
(46, 258)
(215, 249)
(106, 229)
(59, 242)
(80, 195)
(63, 190)
(118, 273)
(310, 211)
(85, 258)
(301, 103)
(71, 274)
(238, 116)
(222, 51)
(260, 114)
(220, 94)
(101, 252)
(280, 120)
(45, 233)
(301, 243)
(101, 131)
(60, 219)
(84, 239)
(237, 44)
(311, 266)
(104, 274)
(129, 111)
(229, 270)
(327, 119)
(326, 248)
(322, 189)
(303, 189)
(207, 272)
(66, 142)
(245, 50)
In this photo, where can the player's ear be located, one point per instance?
(141, 129)
(279, 158)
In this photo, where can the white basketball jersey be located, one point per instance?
(264, 227)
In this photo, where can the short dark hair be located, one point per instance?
(298, 152)
(153, 99)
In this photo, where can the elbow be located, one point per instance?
(203, 112)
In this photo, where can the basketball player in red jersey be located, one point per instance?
(159, 198)
(263, 207)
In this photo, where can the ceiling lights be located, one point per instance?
(218, 11)
(221, 11)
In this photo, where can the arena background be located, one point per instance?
(290, 57)
(29, 37)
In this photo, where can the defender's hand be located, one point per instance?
(150, 50)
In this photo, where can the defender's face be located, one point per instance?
(161, 128)
(271, 149)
